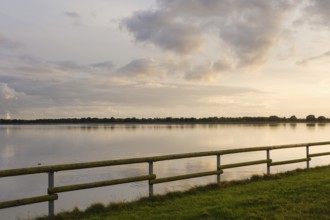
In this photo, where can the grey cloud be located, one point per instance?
(253, 29)
(165, 31)
(208, 72)
(70, 65)
(9, 44)
(30, 59)
(103, 65)
(141, 68)
(198, 8)
(77, 19)
(307, 60)
(67, 64)
(248, 30)
(39, 67)
(6, 93)
(32, 62)
(222, 65)
(148, 69)
(202, 73)
(72, 14)
(318, 12)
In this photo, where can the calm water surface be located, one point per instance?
(30, 145)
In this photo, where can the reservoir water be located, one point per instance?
(38, 145)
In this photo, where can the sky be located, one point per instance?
(164, 58)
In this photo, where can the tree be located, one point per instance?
(274, 118)
(321, 118)
(310, 118)
(293, 118)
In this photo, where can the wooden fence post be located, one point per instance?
(51, 210)
(151, 186)
(218, 168)
(307, 156)
(268, 163)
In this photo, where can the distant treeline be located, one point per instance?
(208, 120)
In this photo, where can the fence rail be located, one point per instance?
(150, 177)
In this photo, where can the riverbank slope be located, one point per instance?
(300, 194)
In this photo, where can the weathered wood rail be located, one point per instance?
(52, 191)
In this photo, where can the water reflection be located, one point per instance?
(113, 127)
(100, 174)
(310, 125)
(7, 151)
(293, 125)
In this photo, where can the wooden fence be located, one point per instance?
(151, 177)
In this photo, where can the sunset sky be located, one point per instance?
(161, 58)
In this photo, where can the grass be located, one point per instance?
(299, 194)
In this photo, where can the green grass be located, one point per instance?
(298, 194)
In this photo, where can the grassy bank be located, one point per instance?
(297, 194)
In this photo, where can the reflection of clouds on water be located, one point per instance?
(132, 171)
(243, 172)
(201, 165)
(83, 178)
(184, 166)
(99, 174)
(138, 185)
(8, 151)
(178, 187)
(7, 132)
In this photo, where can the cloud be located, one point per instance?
(164, 30)
(208, 72)
(103, 65)
(307, 60)
(31, 67)
(40, 69)
(153, 85)
(318, 12)
(246, 31)
(253, 29)
(137, 70)
(8, 116)
(77, 19)
(72, 14)
(198, 8)
(202, 73)
(7, 93)
(7, 44)
(141, 68)
(147, 69)
(67, 64)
